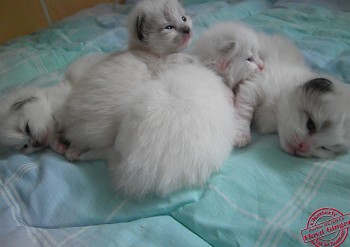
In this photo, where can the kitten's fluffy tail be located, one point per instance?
(177, 133)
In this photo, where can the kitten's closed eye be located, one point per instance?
(28, 130)
(332, 149)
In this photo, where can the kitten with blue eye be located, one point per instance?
(30, 118)
(157, 31)
(152, 113)
(307, 109)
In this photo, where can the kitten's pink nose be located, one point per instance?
(303, 147)
(261, 66)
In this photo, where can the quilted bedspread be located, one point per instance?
(261, 197)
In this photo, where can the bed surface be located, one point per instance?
(261, 196)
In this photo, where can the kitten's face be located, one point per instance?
(160, 27)
(231, 49)
(243, 62)
(27, 124)
(310, 124)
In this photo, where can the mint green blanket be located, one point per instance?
(261, 197)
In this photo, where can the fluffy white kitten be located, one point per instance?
(282, 62)
(231, 49)
(178, 130)
(94, 110)
(96, 106)
(313, 119)
(306, 108)
(30, 117)
(159, 27)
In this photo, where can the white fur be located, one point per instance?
(150, 19)
(178, 130)
(226, 48)
(164, 121)
(77, 70)
(40, 110)
(284, 68)
(330, 113)
(44, 114)
(275, 101)
(96, 105)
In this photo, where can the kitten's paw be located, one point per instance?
(242, 138)
(58, 146)
(72, 155)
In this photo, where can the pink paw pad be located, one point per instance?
(72, 155)
(61, 148)
(58, 146)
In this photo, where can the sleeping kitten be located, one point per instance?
(177, 131)
(313, 119)
(231, 49)
(30, 118)
(307, 109)
(94, 110)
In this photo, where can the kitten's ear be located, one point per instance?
(318, 85)
(18, 105)
(140, 21)
(228, 46)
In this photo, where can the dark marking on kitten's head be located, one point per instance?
(18, 105)
(319, 85)
(140, 21)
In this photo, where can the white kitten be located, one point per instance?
(165, 121)
(307, 109)
(159, 27)
(313, 119)
(30, 117)
(231, 49)
(96, 105)
(283, 63)
(178, 130)
(95, 108)
(286, 95)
